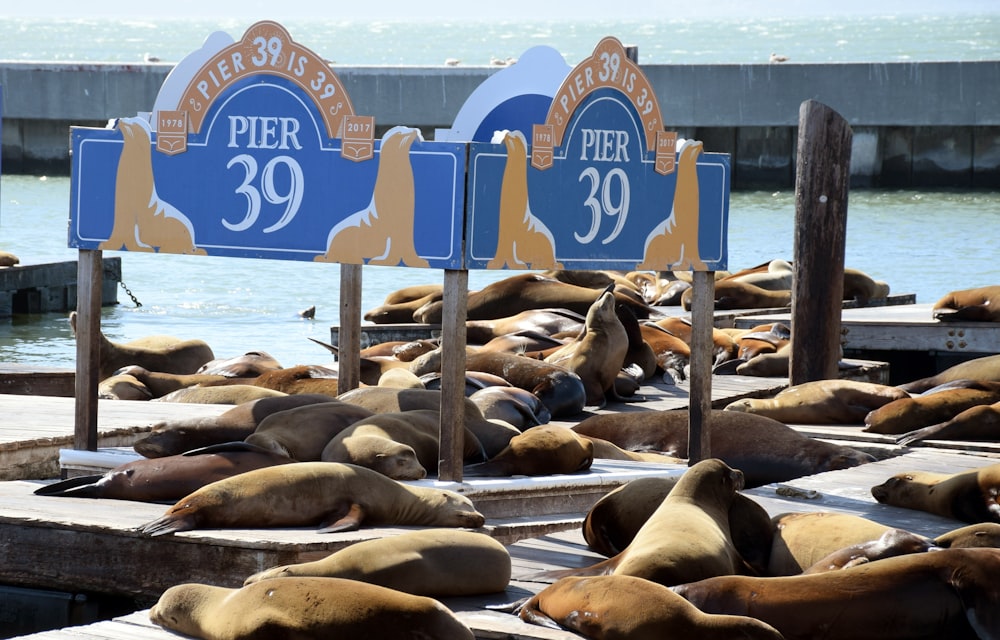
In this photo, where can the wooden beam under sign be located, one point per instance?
(700, 402)
(822, 182)
(89, 278)
(349, 332)
(452, 427)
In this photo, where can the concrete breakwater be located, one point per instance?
(919, 124)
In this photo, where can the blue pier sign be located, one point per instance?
(254, 149)
(599, 184)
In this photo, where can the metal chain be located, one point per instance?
(121, 282)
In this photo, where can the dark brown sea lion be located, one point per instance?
(302, 433)
(514, 405)
(950, 593)
(981, 422)
(528, 291)
(983, 368)
(687, 536)
(764, 449)
(860, 286)
(606, 607)
(970, 496)
(892, 543)
(932, 407)
(305, 609)
(169, 478)
(337, 497)
(436, 563)
(672, 354)
(724, 345)
(539, 451)
(803, 539)
(981, 304)
(177, 436)
(834, 401)
(156, 353)
(982, 534)
(613, 521)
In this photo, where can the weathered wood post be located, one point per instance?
(821, 186)
(89, 276)
(453, 336)
(700, 399)
(349, 333)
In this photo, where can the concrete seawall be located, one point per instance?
(920, 124)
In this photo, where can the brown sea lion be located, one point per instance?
(436, 563)
(672, 354)
(227, 394)
(764, 449)
(970, 496)
(932, 407)
(538, 451)
(302, 432)
(123, 386)
(546, 321)
(613, 521)
(598, 353)
(248, 365)
(835, 401)
(892, 543)
(400, 379)
(803, 539)
(528, 291)
(606, 607)
(860, 286)
(337, 497)
(401, 310)
(161, 383)
(981, 422)
(305, 609)
(8, 259)
(513, 405)
(177, 436)
(733, 294)
(950, 593)
(687, 536)
(983, 368)
(156, 353)
(724, 345)
(492, 435)
(169, 478)
(981, 304)
(982, 534)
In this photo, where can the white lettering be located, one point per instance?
(604, 145)
(263, 132)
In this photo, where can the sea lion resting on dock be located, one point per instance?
(802, 539)
(337, 497)
(981, 304)
(970, 496)
(437, 563)
(542, 450)
(931, 407)
(303, 432)
(822, 402)
(303, 608)
(984, 368)
(981, 422)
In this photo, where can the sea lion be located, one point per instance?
(775, 275)
(337, 497)
(177, 436)
(228, 394)
(982, 534)
(766, 365)
(970, 496)
(945, 594)
(981, 304)
(618, 606)
(686, 537)
(803, 539)
(981, 422)
(300, 379)
(8, 259)
(169, 478)
(547, 321)
(160, 383)
(305, 609)
(833, 401)
(892, 543)
(733, 294)
(437, 563)
(156, 353)
(764, 449)
(302, 432)
(492, 435)
(724, 346)
(613, 521)
(513, 405)
(932, 407)
(401, 311)
(538, 451)
(400, 378)
(983, 368)
(123, 386)
(861, 287)
(528, 291)
(248, 365)
(672, 353)
(598, 353)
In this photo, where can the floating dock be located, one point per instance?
(43, 288)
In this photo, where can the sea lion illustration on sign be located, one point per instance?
(143, 221)
(673, 244)
(382, 232)
(523, 241)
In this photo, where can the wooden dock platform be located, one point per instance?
(41, 288)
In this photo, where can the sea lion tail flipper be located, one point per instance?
(350, 521)
(331, 348)
(918, 434)
(602, 568)
(169, 523)
(79, 487)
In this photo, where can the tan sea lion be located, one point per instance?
(803, 539)
(672, 354)
(835, 401)
(248, 365)
(123, 386)
(337, 497)
(892, 543)
(305, 609)
(228, 394)
(598, 353)
(169, 478)
(950, 593)
(733, 294)
(177, 436)
(981, 304)
(303, 432)
(970, 496)
(724, 345)
(8, 259)
(400, 378)
(982, 534)
(932, 407)
(160, 383)
(606, 607)
(547, 321)
(981, 422)
(156, 353)
(539, 451)
(983, 368)
(764, 449)
(401, 310)
(437, 563)
(860, 286)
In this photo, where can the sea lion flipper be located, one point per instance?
(81, 487)
(235, 445)
(351, 521)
